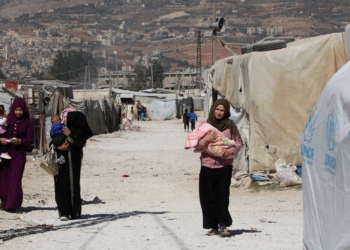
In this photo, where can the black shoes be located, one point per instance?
(14, 211)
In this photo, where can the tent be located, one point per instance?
(326, 174)
(163, 109)
(278, 90)
(149, 100)
(5, 99)
(325, 150)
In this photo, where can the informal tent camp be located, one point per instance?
(278, 90)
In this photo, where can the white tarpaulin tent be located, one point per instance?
(278, 89)
(163, 109)
(5, 99)
(159, 106)
(326, 173)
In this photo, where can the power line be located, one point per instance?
(69, 71)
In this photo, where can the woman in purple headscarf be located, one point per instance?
(19, 135)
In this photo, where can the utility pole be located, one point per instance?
(89, 72)
(214, 93)
(152, 77)
(85, 77)
(199, 63)
(116, 67)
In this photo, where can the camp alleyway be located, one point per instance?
(154, 206)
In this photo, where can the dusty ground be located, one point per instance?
(156, 207)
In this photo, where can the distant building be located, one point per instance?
(122, 26)
(261, 30)
(274, 30)
(251, 30)
(126, 68)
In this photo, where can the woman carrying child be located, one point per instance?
(19, 135)
(67, 182)
(216, 172)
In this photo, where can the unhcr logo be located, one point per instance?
(309, 130)
(331, 130)
(308, 154)
(331, 164)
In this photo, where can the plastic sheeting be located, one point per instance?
(347, 31)
(5, 99)
(163, 109)
(278, 89)
(325, 147)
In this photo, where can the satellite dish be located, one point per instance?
(219, 24)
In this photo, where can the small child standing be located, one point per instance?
(143, 113)
(193, 118)
(3, 127)
(57, 137)
(186, 121)
(132, 113)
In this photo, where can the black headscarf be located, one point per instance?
(224, 122)
(76, 123)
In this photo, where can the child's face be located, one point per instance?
(55, 119)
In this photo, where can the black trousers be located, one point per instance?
(214, 192)
(193, 124)
(186, 125)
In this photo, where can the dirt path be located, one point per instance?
(156, 207)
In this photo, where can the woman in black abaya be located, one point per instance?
(67, 182)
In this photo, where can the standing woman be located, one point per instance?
(67, 182)
(20, 132)
(216, 172)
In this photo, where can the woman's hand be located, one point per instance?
(64, 146)
(3, 141)
(66, 131)
(210, 136)
(225, 154)
(15, 141)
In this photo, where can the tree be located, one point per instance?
(71, 65)
(158, 74)
(2, 75)
(38, 75)
(140, 80)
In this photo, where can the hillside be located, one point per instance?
(136, 28)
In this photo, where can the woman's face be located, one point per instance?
(219, 112)
(18, 112)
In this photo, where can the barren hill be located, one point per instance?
(16, 8)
